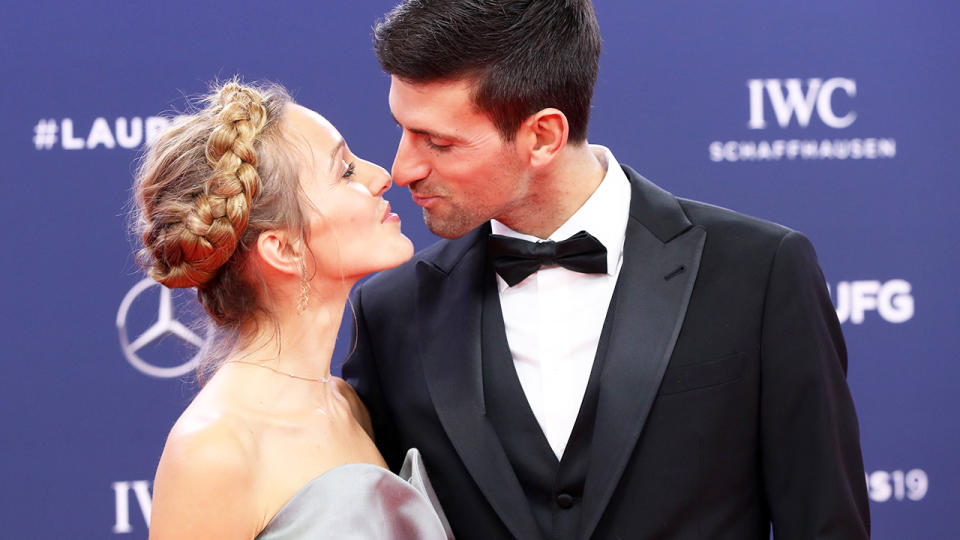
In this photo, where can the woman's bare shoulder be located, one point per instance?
(205, 485)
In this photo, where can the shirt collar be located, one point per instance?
(604, 214)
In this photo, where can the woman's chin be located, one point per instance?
(404, 252)
(393, 256)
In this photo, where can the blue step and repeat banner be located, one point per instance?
(838, 119)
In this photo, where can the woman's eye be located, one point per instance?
(351, 169)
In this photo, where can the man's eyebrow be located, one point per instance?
(428, 133)
(333, 155)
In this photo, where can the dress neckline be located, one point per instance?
(316, 479)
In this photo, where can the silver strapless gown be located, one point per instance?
(359, 501)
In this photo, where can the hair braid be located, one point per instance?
(196, 246)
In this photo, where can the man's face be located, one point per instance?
(452, 157)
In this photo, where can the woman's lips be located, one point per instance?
(389, 216)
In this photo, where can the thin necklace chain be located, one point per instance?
(281, 372)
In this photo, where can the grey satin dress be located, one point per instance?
(359, 501)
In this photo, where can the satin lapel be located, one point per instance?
(651, 298)
(449, 302)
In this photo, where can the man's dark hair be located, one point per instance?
(523, 55)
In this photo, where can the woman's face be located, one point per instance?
(351, 229)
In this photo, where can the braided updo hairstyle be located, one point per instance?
(207, 188)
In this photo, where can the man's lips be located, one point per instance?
(423, 200)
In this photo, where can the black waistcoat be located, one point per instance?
(553, 488)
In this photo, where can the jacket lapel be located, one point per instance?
(450, 300)
(660, 263)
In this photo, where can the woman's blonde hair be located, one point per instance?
(207, 188)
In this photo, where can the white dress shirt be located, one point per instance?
(554, 317)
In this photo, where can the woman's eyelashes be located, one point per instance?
(349, 170)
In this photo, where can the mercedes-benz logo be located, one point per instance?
(166, 324)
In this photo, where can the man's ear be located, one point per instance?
(281, 251)
(544, 134)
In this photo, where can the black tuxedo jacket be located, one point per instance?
(723, 405)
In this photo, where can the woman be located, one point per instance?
(259, 204)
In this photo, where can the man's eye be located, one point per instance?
(436, 146)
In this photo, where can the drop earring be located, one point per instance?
(304, 298)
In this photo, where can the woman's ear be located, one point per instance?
(281, 251)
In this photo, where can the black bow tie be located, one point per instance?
(515, 259)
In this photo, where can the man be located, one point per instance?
(676, 371)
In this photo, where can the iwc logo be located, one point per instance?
(806, 100)
(166, 324)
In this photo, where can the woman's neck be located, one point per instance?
(298, 338)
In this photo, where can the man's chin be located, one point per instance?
(448, 227)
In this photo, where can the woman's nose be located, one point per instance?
(379, 180)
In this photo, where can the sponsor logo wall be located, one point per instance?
(891, 300)
(795, 103)
(166, 325)
(761, 108)
(122, 132)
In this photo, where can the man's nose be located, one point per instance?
(408, 165)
